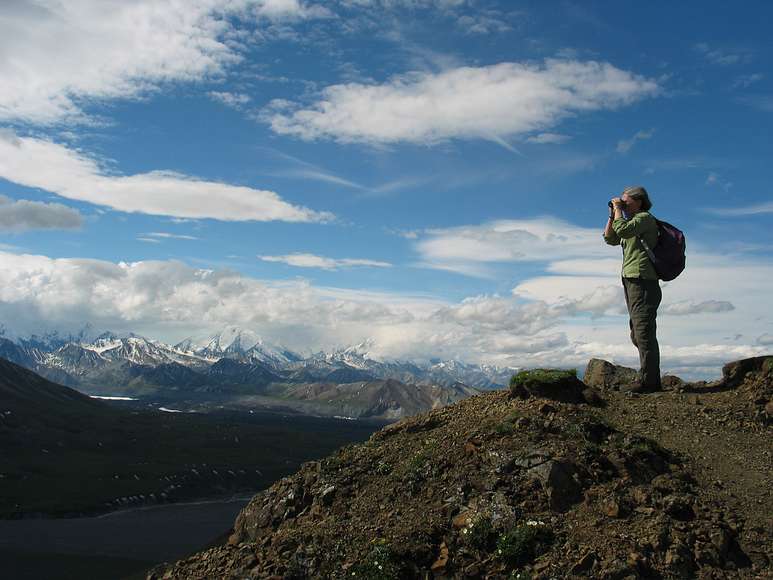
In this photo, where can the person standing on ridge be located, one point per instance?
(629, 220)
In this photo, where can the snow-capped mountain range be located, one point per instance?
(83, 359)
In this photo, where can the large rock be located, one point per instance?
(606, 375)
(557, 385)
(733, 373)
(559, 480)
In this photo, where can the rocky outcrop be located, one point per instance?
(554, 384)
(734, 373)
(493, 486)
(606, 375)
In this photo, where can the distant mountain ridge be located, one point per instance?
(109, 360)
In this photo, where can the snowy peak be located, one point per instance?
(237, 343)
(49, 341)
(231, 339)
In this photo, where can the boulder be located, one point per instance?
(606, 375)
(558, 385)
(733, 373)
(559, 480)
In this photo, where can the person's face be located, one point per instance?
(630, 205)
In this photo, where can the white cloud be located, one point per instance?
(46, 165)
(466, 248)
(760, 208)
(686, 307)
(761, 102)
(313, 261)
(580, 294)
(66, 54)
(745, 81)
(483, 22)
(765, 339)
(625, 145)
(168, 236)
(170, 300)
(491, 102)
(21, 215)
(233, 100)
(720, 56)
(548, 138)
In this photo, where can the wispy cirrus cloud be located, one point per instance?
(754, 209)
(761, 102)
(22, 215)
(625, 145)
(301, 260)
(722, 56)
(493, 102)
(548, 138)
(169, 236)
(745, 81)
(41, 163)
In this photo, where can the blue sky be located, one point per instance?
(429, 174)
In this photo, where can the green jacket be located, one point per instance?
(636, 262)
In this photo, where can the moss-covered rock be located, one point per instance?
(556, 384)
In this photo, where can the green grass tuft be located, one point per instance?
(379, 564)
(523, 544)
(480, 533)
(525, 378)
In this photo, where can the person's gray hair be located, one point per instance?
(637, 192)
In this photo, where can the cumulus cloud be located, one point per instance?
(554, 321)
(169, 299)
(492, 102)
(47, 165)
(21, 215)
(66, 54)
(313, 261)
(625, 145)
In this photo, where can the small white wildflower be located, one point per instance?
(380, 568)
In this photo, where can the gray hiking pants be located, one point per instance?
(643, 297)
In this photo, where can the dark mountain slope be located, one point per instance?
(63, 453)
(22, 391)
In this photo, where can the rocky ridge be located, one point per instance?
(511, 484)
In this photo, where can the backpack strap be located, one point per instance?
(645, 245)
